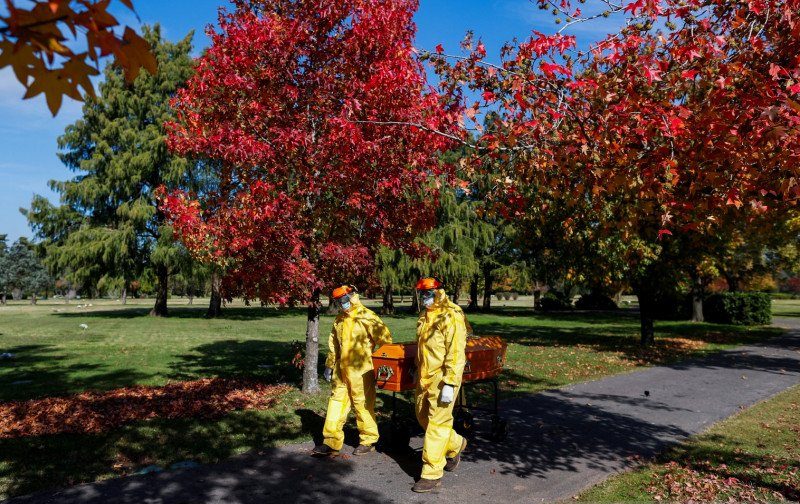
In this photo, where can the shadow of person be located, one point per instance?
(312, 423)
(408, 459)
(397, 426)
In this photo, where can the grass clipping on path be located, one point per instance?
(752, 457)
(96, 412)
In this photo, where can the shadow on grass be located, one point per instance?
(39, 371)
(183, 312)
(608, 335)
(268, 361)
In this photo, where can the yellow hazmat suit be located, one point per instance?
(442, 340)
(355, 334)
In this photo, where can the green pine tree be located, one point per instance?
(4, 269)
(108, 224)
(22, 271)
(394, 272)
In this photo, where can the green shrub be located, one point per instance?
(555, 301)
(740, 308)
(595, 301)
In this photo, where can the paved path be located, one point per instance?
(559, 443)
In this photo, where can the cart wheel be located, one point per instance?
(499, 428)
(463, 423)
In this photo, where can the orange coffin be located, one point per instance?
(395, 364)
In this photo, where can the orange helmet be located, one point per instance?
(428, 284)
(341, 291)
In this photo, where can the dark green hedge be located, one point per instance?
(555, 301)
(740, 308)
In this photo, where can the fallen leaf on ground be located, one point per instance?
(94, 412)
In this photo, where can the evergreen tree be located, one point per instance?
(453, 242)
(108, 223)
(23, 271)
(394, 271)
(4, 268)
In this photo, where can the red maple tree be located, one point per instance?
(686, 118)
(287, 102)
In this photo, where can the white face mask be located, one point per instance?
(345, 303)
(427, 298)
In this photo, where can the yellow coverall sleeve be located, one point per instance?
(455, 337)
(379, 333)
(333, 348)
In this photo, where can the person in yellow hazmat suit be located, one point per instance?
(441, 346)
(356, 332)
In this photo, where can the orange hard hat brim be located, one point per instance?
(428, 284)
(341, 291)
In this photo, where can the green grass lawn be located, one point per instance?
(752, 457)
(786, 307)
(122, 347)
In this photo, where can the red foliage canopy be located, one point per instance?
(687, 116)
(286, 101)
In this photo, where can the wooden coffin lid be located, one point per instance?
(409, 350)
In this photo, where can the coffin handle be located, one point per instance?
(384, 373)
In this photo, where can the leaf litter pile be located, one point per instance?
(769, 480)
(95, 412)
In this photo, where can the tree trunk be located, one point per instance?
(537, 300)
(456, 292)
(215, 304)
(388, 301)
(124, 296)
(487, 288)
(3, 301)
(698, 290)
(162, 286)
(33, 298)
(414, 303)
(310, 372)
(697, 307)
(646, 317)
(191, 299)
(473, 294)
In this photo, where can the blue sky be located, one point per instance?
(28, 133)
